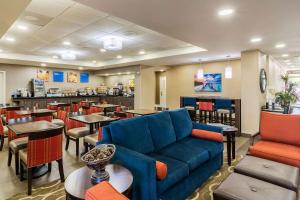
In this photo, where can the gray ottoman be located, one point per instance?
(241, 187)
(273, 172)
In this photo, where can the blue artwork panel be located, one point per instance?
(84, 77)
(58, 76)
(209, 83)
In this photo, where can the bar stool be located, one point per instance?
(224, 110)
(190, 103)
(43, 148)
(205, 108)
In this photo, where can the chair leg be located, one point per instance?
(77, 147)
(21, 171)
(17, 162)
(9, 157)
(2, 142)
(61, 170)
(86, 147)
(29, 178)
(67, 142)
(49, 167)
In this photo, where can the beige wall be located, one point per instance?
(19, 77)
(274, 72)
(180, 81)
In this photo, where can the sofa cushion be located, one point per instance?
(177, 170)
(161, 129)
(193, 157)
(133, 134)
(280, 128)
(182, 122)
(213, 148)
(284, 153)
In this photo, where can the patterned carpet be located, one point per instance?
(55, 189)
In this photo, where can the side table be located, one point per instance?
(79, 181)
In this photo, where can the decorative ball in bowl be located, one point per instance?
(96, 159)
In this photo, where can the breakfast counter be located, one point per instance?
(43, 101)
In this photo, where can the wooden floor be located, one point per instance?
(10, 183)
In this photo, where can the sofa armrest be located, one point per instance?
(253, 137)
(143, 169)
(207, 127)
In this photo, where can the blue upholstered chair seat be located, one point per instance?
(193, 157)
(177, 170)
(213, 148)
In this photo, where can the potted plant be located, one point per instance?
(287, 96)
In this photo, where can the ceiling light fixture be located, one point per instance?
(200, 73)
(285, 55)
(67, 43)
(281, 45)
(128, 72)
(142, 52)
(55, 57)
(1, 50)
(68, 56)
(22, 27)
(255, 40)
(43, 65)
(80, 68)
(103, 50)
(94, 61)
(119, 56)
(225, 12)
(119, 73)
(113, 43)
(228, 69)
(10, 39)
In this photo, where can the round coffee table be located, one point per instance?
(79, 181)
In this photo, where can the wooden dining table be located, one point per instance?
(105, 107)
(141, 111)
(38, 111)
(23, 128)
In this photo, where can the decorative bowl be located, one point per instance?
(96, 159)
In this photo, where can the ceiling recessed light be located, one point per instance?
(55, 57)
(67, 43)
(119, 73)
(94, 61)
(106, 74)
(225, 12)
(119, 56)
(80, 68)
(285, 55)
(103, 50)
(113, 43)
(128, 72)
(22, 27)
(1, 50)
(257, 39)
(280, 45)
(142, 52)
(43, 64)
(10, 39)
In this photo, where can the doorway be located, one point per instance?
(162, 91)
(2, 87)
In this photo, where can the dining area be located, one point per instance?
(34, 139)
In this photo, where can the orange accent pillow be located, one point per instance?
(208, 135)
(161, 170)
(104, 191)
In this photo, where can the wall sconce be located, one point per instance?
(228, 70)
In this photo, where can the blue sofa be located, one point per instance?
(165, 137)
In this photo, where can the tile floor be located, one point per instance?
(10, 183)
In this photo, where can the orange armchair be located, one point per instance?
(280, 138)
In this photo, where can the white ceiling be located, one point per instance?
(197, 22)
(50, 22)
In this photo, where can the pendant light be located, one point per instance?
(228, 69)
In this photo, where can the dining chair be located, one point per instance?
(61, 118)
(75, 130)
(16, 143)
(3, 134)
(94, 109)
(75, 107)
(43, 148)
(90, 141)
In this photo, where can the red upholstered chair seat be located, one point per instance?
(284, 153)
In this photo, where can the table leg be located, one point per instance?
(91, 129)
(104, 111)
(233, 145)
(228, 136)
